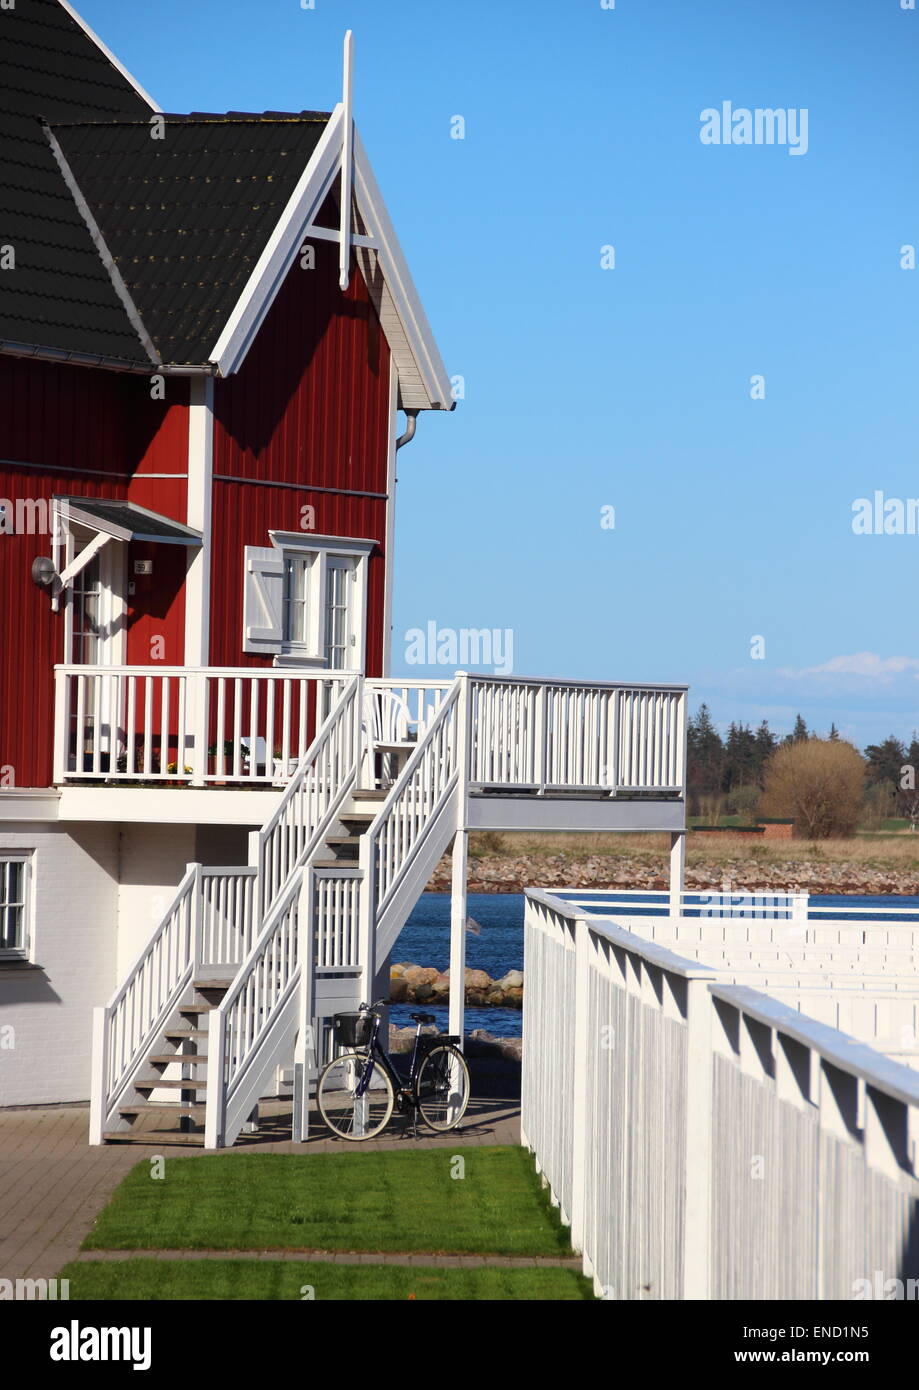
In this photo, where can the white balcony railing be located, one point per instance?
(174, 724)
(215, 726)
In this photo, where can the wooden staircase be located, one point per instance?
(178, 1120)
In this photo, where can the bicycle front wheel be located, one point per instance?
(442, 1088)
(348, 1114)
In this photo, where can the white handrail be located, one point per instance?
(413, 801)
(323, 778)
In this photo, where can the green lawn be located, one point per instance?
(356, 1201)
(227, 1280)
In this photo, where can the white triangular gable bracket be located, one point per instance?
(423, 380)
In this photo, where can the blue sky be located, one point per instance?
(630, 387)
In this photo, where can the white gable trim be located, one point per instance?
(413, 345)
(273, 264)
(103, 48)
(399, 282)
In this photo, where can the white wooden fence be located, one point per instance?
(705, 1140)
(179, 724)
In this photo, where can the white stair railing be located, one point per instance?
(391, 846)
(244, 1033)
(316, 790)
(257, 1017)
(125, 1028)
(217, 914)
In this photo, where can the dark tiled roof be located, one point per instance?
(60, 295)
(186, 216)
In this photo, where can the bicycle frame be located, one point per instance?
(378, 1055)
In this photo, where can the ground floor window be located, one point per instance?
(14, 904)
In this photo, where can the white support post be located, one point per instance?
(215, 1112)
(62, 726)
(197, 920)
(199, 684)
(697, 1228)
(580, 1099)
(305, 1048)
(459, 861)
(200, 486)
(677, 871)
(98, 1092)
(367, 918)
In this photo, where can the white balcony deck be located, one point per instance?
(207, 745)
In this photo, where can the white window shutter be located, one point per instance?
(263, 600)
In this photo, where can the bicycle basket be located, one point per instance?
(352, 1030)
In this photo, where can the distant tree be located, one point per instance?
(766, 744)
(799, 732)
(908, 783)
(818, 783)
(705, 756)
(833, 734)
(739, 766)
(885, 761)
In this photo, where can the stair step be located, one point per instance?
(149, 1136)
(370, 794)
(362, 818)
(198, 1009)
(344, 841)
(188, 1059)
(153, 1107)
(334, 863)
(156, 1083)
(213, 984)
(184, 1033)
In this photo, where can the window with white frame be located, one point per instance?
(14, 905)
(305, 600)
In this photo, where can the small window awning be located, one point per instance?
(125, 521)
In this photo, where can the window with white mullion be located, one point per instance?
(338, 577)
(296, 599)
(13, 905)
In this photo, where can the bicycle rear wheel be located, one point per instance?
(442, 1087)
(347, 1114)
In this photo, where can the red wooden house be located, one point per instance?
(207, 333)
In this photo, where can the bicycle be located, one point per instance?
(356, 1092)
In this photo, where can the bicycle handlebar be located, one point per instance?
(365, 1008)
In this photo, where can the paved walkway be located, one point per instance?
(53, 1185)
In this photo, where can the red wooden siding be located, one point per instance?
(58, 419)
(310, 406)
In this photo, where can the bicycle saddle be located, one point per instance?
(423, 1018)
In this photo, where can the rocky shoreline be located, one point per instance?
(512, 874)
(419, 984)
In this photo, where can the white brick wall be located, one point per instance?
(75, 904)
(98, 893)
(152, 864)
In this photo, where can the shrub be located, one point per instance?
(818, 783)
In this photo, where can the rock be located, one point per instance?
(512, 980)
(396, 971)
(441, 986)
(477, 980)
(415, 975)
(423, 993)
(398, 990)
